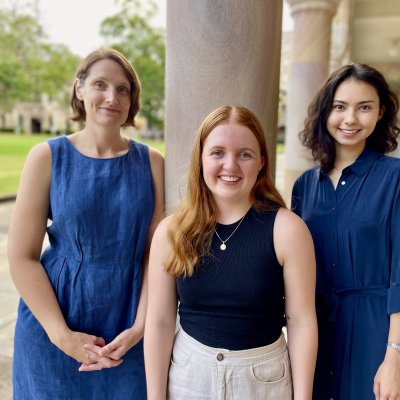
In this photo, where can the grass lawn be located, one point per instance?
(13, 151)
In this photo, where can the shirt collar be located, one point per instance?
(361, 165)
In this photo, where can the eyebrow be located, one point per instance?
(223, 147)
(361, 102)
(96, 78)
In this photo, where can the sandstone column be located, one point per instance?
(310, 66)
(218, 52)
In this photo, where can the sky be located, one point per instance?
(76, 23)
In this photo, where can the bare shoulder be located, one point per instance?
(291, 235)
(37, 168)
(156, 158)
(40, 154)
(289, 225)
(161, 232)
(160, 249)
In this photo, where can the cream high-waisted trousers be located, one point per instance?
(200, 372)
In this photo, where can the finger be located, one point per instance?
(117, 353)
(99, 341)
(86, 367)
(109, 363)
(376, 390)
(109, 348)
(90, 367)
(93, 348)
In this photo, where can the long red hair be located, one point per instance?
(191, 229)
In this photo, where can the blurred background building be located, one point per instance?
(327, 34)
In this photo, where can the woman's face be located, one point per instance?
(231, 161)
(106, 94)
(354, 114)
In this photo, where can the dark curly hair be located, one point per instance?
(78, 108)
(315, 135)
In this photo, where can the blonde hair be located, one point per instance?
(191, 229)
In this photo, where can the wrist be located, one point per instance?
(59, 335)
(392, 345)
(138, 328)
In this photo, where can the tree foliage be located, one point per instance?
(29, 65)
(130, 32)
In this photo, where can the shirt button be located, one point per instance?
(332, 236)
(343, 183)
(220, 357)
(333, 265)
(333, 209)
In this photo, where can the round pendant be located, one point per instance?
(223, 246)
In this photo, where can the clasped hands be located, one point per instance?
(92, 351)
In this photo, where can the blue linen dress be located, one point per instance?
(356, 232)
(100, 211)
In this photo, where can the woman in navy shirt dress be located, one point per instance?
(351, 204)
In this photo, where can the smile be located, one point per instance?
(108, 109)
(229, 178)
(349, 131)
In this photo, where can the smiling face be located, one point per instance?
(354, 115)
(105, 93)
(231, 161)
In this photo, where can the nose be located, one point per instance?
(230, 162)
(111, 95)
(350, 117)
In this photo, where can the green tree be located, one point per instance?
(20, 35)
(29, 65)
(130, 32)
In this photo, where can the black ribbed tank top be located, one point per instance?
(235, 298)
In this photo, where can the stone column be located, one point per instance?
(218, 52)
(310, 66)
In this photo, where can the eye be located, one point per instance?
(124, 90)
(365, 107)
(217, 153)
(338, 107)
(99, 85)
(245, 155)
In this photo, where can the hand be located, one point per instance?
(72, 343)
(387, 379)
(116, 349)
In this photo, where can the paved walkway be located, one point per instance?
(8, 306)
(9, 296)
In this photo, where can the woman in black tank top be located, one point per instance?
(240, 266)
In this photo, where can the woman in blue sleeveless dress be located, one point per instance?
(81, 317)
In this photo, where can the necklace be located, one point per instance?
(223, 245)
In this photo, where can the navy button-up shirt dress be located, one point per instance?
(356, 232)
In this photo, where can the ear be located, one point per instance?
(78, 89)
(381, 112)
(262, 164)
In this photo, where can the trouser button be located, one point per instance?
(220, 357)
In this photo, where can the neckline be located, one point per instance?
(98, 158)
(228, 226)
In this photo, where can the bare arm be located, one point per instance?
(161, 317)
(25, 242)
(128, 338)
(295, 252)
(387, 379)
(157, 171)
